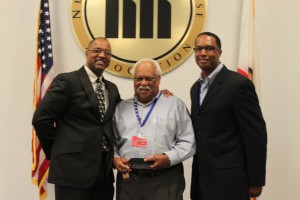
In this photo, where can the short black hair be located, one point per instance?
(218, 41)
(96, 39)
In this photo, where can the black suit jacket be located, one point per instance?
(67, 123)
(231, 138)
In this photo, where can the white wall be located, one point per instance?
(278, 27)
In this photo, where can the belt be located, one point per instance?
(151, 173)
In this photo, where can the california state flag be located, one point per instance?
(248, 54)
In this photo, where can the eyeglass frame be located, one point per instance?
(208, 48)
(148, 79)
(99, 51)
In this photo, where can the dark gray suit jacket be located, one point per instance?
(67, 123)
(231, 139)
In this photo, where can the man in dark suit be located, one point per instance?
(72, 132)
(231, 137)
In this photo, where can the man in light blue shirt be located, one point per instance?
(156, 129)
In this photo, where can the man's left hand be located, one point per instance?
(255, 191)
(161, 161)
(167, 93)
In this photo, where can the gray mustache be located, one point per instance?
(144, 88)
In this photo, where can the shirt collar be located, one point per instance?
(91, 75)
(149, 103)
(212, 76)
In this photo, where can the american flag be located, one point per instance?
(44, 75)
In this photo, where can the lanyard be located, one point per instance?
(148, 114)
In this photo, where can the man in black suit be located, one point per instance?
(231, 136)
(72, 132)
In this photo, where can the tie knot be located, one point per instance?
(99, 84)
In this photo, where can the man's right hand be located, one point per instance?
(120, 164)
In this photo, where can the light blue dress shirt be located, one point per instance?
(168, 129)
(206, 82)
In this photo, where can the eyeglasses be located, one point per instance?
(99, 51)
(147, 79)
(208, 48)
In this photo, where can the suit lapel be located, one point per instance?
(88, 89)
(214, 88)
(194, 97)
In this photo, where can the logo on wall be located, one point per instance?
(163, 30)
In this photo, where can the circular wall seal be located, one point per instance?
(159, 29)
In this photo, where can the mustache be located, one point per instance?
(144, 88)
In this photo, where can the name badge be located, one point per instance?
(138, 142)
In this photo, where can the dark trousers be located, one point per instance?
(102, 189)
(221, 184)
(167, 186)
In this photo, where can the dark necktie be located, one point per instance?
(101, 100)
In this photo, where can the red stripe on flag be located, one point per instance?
(37, 152)
(240, 71)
